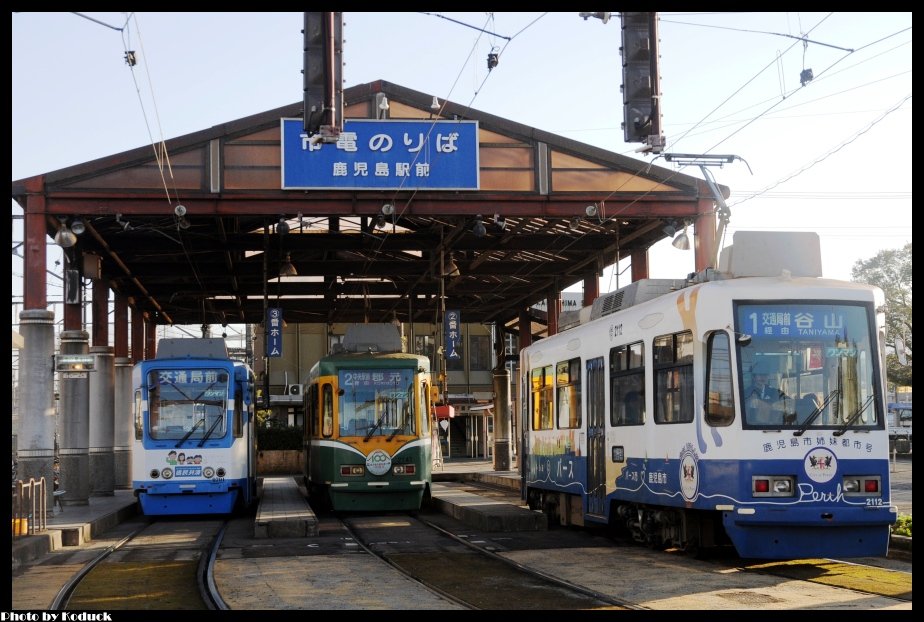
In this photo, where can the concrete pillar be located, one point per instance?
(36, 439)
(705, 244)
(124, 423)
(137, 334)
(553, 311)
(501, 420)
(639, 265)
(591, 289)
(74, 438)
(150, 338)
(102, 422)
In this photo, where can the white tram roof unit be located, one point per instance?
(372, 338)
(752, 253)
(772, 253)
(633, 294)
(191, 347)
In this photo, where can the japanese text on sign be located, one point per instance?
(452, 327)
(274, 332)
(376, 155)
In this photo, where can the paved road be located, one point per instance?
(901, 484)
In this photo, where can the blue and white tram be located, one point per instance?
(194, 448)
(645, 418)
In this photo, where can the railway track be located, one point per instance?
(465, 573)
(166, 564)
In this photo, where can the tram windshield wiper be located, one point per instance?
(377, 423)
(211, 429)
(854, 416)
(814, 414)
(188, 434)
(179, 390)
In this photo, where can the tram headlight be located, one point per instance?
(167, 473)
(352, 470)
(782, 486)
(208, 472)
(404, 469)
(851, 484)
(220, 472)
(155, 473)
(773, 485)
(862, 485)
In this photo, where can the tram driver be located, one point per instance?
(764, 402)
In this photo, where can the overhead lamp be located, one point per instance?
(287, 269)
(574, 223)
(478, 228)
(591, 210)
(436, 103)
(179, 210)
(388, 209)
(282, 227)
(381, 105)
(669, 229)
(182, 223)
(682, 241)
(380, 221)
(500, 222)
(65, 238)
(78, 226)
(452, 270)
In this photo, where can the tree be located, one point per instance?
(890, 270)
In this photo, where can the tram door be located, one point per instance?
(596, 437)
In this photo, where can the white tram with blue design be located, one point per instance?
(647, 417)
(194, 448)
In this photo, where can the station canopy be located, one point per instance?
(193, 230)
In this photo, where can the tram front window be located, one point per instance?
(807, 366)
(187, 404)
(376, 403)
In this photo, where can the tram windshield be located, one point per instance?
(377, 403)
(807, 366)
(187, 404)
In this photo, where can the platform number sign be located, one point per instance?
(453, 333)
(274, 332)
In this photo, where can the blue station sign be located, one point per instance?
(383, 155)
(452, 326)
(274, 332)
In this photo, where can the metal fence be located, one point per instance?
(30, 506)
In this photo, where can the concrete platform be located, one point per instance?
(284, 511)
(75, 525)
(483, 513)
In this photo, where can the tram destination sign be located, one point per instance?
(382, 155)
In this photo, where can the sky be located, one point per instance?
(831, 156)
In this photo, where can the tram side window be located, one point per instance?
(311, 412)
(673, 390)
(627, 384)
(138, 416)
(542, 398)
(425, 411)
(720, 406)
(238, 423)
(568, 387)
(327, 410)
